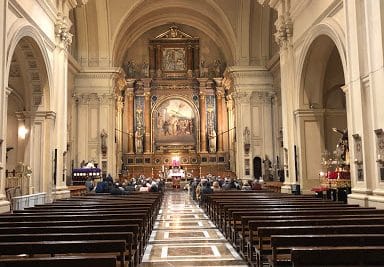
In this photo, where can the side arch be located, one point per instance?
(17, 33)
(331, 29)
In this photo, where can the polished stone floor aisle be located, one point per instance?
(184, 236)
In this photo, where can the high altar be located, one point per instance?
(174, 106)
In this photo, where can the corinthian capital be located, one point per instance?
(242, 97)
(62, 27)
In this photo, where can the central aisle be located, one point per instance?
(184, 236)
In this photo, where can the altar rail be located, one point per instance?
(26, 201)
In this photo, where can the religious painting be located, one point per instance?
(173, 59)
(174, 123)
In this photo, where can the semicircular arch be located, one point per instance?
(190, 14)
(331, 34)
(32, 42)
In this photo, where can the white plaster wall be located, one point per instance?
(313, 13)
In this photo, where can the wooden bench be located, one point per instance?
(251, 241)
(63, 247)
(233, 222)
(264, 234)
(238, 230)
(337, 256)
(61, 261)
(282, 244)
(90, 218)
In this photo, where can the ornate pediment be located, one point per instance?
(173, 33)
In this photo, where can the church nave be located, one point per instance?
(184, 236)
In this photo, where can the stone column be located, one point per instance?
(119, 130)
(283, 36)
(231, 133)
(129, 97)
(243, 121)
(220, 122)
(4, 204)
(63, 40)
(49, 122)
(203, 115)
(147, 115)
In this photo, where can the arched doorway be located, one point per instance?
(322, 107)
(29, 123)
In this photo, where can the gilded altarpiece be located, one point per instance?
(168, 112)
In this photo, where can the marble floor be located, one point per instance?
(184, 236)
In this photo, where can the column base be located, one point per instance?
(61, 193)
(359, 199)
(376, 201)
(5, 206)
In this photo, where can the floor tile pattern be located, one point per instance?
(184, 236)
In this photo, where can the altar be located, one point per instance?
(79, 176)
(174, 106)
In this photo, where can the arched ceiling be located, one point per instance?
(321, 56)
(27, 75)
(202, 15)
(107, 28)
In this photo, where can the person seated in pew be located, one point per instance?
(89, 186)
(256, 185)
(247, 186)
(216, 186)
(117, 190)
(102, 187)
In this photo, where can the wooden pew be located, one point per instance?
(337, 256)
(233, 221)
(77, 218)
(239, 230)
(252, 240)
(264, 234)
(61, 261)
(254, 204)
(63, 247)
(282, 244)
(134, 248)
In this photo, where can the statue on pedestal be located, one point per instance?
(139, 140)
(103, 136)
(130, 69)
(247, 140)
(212, 140)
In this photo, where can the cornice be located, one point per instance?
(98, 74)
(308, 112)
(250, 78)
